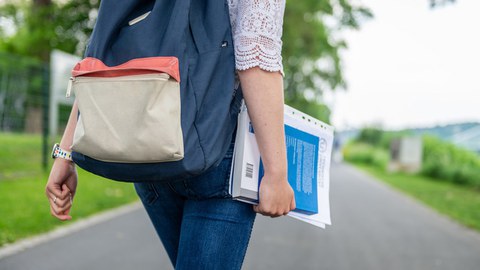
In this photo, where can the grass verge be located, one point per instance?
(458, 202)
(24, 207)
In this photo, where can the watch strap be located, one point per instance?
(58, 152)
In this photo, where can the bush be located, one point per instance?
(372, 136)
(379, 138)
(445, 161)
(366, 154)
(441, 160)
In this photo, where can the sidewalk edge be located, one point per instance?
(21, 245)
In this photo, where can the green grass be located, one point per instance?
(20, 156)
(460, 203)
(23, 205)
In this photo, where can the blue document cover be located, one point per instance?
(302, 160)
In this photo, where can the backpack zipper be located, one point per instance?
(144, 77)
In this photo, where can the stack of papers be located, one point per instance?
(309, 147)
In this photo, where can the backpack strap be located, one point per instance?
(115, 40)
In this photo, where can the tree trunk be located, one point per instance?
(40, 14)
(40, 8)
(37, 3)
(33, 121)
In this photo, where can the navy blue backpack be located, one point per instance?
(198, 33)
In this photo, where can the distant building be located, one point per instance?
(406, 154)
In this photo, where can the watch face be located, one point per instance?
(55, 150)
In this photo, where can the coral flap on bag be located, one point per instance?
(94, 67)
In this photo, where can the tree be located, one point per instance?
(436, 3)
(44, 25)
(311, 39)
(311, 49)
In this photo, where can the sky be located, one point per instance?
(411, 66)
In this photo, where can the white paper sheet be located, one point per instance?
(303, 122)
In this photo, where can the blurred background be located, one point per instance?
(397, 80)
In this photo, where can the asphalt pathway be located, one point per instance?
(374, 227)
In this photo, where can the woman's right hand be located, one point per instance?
(276, 196)
(61, 187)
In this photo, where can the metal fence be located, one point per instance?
(24, 97)
(23, 94)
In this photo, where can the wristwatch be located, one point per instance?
(58, 152)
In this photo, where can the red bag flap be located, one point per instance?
(94, 67)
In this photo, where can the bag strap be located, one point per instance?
(161, 32)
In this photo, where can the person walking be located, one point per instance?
(199, 224)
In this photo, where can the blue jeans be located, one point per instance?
(199, 224)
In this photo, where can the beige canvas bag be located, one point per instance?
(128, 113)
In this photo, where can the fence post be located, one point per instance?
(46, 105)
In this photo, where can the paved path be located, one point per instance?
(374, 228)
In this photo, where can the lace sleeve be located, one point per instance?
(257, 31)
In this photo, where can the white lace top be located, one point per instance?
(257, 31)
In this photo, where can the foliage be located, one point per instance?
(45, 25)
(372, 136)
(312, 44)
(40, 27)
(311, 40)
(436, 3)
(389, 136)
(21, 77)
(363, 153)
(378, 137)
(446, 161)
(312, 108)
(441, 160)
